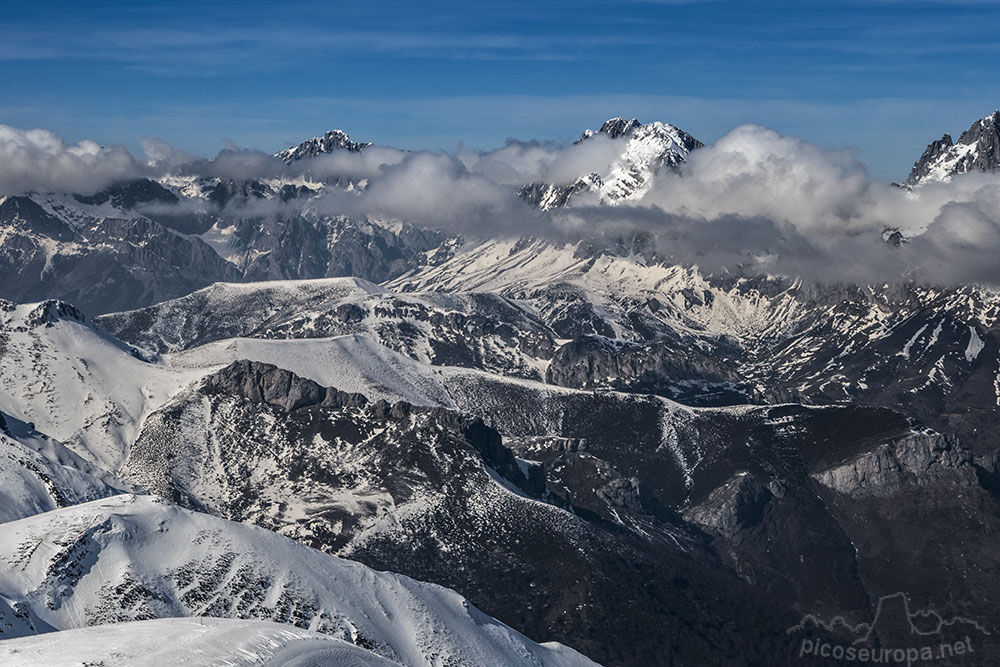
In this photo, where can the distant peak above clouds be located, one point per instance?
(647, 147)
(614, 128)
(978, 149)
(334, 140)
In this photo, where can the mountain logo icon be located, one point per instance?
(894, 619)
(897, 633)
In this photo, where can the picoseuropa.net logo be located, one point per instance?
(896, 636)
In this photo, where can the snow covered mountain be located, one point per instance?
(77, 384)
(635, 323)
(978, 149)
(130, 558)
(98, 256)
(478, 329)
(334, 140)
(646, 148)
(586, 442)
(201, 642)
(543, 483)
(38, 474)
(612, 316)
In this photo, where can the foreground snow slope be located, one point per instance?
(139, 557)
(190, 642)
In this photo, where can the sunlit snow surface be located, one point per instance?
(132, 557)
(189, 642)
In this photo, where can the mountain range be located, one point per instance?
(237, 425)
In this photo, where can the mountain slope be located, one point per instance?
(436, 495)
(978, 149)
(38, 474)
(185, 641)
(478, 330)
(97, 256)
(138, 557)
(77, 384)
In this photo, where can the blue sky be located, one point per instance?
(884, 77)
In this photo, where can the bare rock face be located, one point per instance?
(917, 459)
(978, 149)
(130, 194)
(51, 311)
(666, 367)
(266, 383)
(618, 127)
(731, 507)
(934, 152)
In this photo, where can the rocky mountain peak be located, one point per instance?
(646, 149)
(977, 149)
(619, 127)
(334, 140)
(126, 195)
(51, 311)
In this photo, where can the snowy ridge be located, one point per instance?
(647, 148)
(353, 363)
(38, 474)
(435, 327)
(138, 557)
(978, 149)
(78, 384)
(202, 642)
(333, 140)
(544, 274)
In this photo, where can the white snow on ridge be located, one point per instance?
(944, 169)
(80, 385)
(131, 557)
(351, 363)
(528, 272)
(38, 474)
(202, 642)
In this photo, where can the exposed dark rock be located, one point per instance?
(266, 383)
(128, 195)
(51, 311)
(919, 458)
(733, 506)
(952, 159)
(671, 368)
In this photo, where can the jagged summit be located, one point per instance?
(334, 140)
(978, 149)
(647, 148)
(619, 127)
(616, 127)
(613, 127)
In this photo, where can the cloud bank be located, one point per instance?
(39, 161)
(755, 201)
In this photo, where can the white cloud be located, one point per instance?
(753, 201)
(38, 160)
